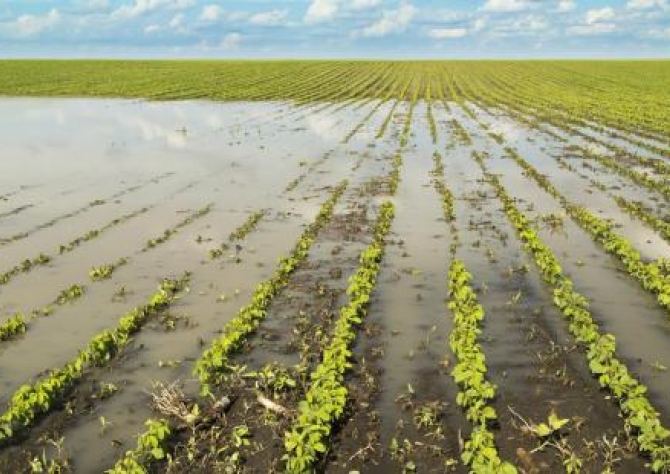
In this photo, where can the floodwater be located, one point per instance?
(134, 170)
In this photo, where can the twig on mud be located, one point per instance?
(360, 452)
(272, 406)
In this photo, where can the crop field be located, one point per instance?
(337, 267)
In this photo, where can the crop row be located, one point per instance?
(239, 233)
(16, 210)
(18, 324)
(151, 445)
(634, 209)
(31, 401)
(214, 360)
(169, 233)
(641, 419)
(326, 397)
(445, 194)
(95, 203)
(394, 180)
(634, 175)
(649, 275)
(479, 452)
(42, 259)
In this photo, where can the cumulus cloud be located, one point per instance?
(598, 15)
(176, 20)
(392, 21)
(646, 4)
(566, 6)
(447, 33)
(231, 41)
(594, 29)
(31, 25)
(141, 7)
(321, 10)
(505, 5)
(211, 13)
(365, 4)
(270, 18)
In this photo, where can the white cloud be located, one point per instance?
(97, 4)
(597, 15)
(151, 29)
(211, 13)
(365, 4)
(140, 7)
(392, 21)
(594, 29)
(566, 6)
(31, 25)
(660, 34)
(505, 5)
(479, 24)
(321, 10)
(176, 21)
(271, 18)
(646, 4)
(231, 41)
(447, 33)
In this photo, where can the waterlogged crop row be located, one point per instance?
(250, 224)
(395, 174)
(445, 194)
(42, 259)
(326, 398)
(169, 233)
(151, 445)
(634, 209)
(95, 203)
(638, 177)
(649, 275)
(31, 401)
(641, 418)
(105, 272)
(479, 452)
(240, 233)
(19, 323)
(214, 361)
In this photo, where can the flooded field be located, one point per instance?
(378, 285)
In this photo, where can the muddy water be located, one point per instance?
(241, 157)
(260, 250)
(409, 301)
(246, 180)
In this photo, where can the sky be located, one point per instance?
(335, 28)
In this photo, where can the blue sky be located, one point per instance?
(335, 28)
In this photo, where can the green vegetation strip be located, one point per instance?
(627, 96)
(214, 361)
(171, 232)
(650, 277)
(151, 445)
(639, 415)
(31, 401)
(326, 397)
(479, 452)
(445, 194)
(240, 233)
